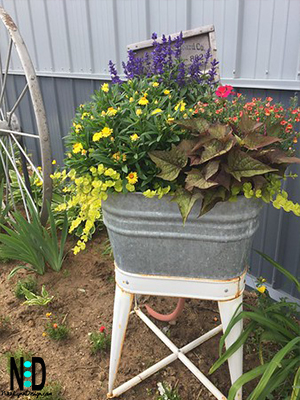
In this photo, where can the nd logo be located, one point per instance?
(25, 377)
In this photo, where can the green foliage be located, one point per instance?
(277, 330)
(17, 355)
(57, 331)
(218, 165)
(33, 299)
(32, 243)
(166, 392)
(100, 341)
(51, 391)
(28, 283)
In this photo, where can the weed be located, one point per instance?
(167, 392)
(66, 273)
(36, 300)
(17, 355)
(55, 330)
(100, 341)
(4, 322)
(107, 249)
(51, 391)
(29, 284)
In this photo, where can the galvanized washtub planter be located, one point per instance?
(148, 236)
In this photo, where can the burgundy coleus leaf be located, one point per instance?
(185, 201)
(199, 125)
(241, 165)
(277, 156)
(211, 198)
(247, 125)
(195, 179)
(254, 141)
(211, 168)
(223, 178)
(186, 146)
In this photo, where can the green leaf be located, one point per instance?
(170, 162)
(242, 165)
(272, 366)
(185, 201)
(281, 269)
(254, 141)
(215, 148)
(245, 378)
(296, 386)
(195, 179)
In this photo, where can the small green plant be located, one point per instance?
(276, 329)
(56, 331)
(51, 391)
(29, 284)
(17, 355)
(33, 299)
(167, 392)
(100, 341)
(4, 322)
(32, 243)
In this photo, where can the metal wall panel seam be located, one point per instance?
(90, 36)
(285, 36)
(271, 37)
(239, 35)
(49, 36)
(116, 35)
(71, 64)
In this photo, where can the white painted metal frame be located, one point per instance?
(229, 295)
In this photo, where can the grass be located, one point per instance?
(17, 355)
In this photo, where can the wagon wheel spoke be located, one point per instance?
(19, 168)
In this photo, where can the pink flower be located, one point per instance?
(224, 91)
(102, 329)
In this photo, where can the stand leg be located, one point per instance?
(122, 306)
(235, 362)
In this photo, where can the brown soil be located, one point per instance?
(84, 293)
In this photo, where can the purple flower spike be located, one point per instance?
(114, 73)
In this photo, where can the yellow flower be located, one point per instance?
(39, 168)
(105, 87)
(156, 102)
(139, 111)
(156, 111)
(38, 182)
(155, 84)
(131, 100)
(170, 120)
(143, 101)
(77, 148)
(48, 314)
(97, 136)
(85, 114)
(106, 131)
(111, 111)
(53, 162)
(166, 91)
(134, 137)
(83, 152)
(180, 105)
(132, 178)
(44, 334)
(103, 113)
(261, 289)
(130, 187)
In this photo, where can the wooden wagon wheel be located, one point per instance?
(13, 155)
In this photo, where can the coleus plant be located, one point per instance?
(221, 161)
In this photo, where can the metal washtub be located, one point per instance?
(148, 236)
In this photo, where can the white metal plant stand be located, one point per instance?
(228, 294)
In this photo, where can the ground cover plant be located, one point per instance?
(54, 329)
(100, 341)
(276, 328)
(29, 283)
(33, 299)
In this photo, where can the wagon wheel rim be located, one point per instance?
(12, 136)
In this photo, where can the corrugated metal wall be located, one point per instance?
(71, 41)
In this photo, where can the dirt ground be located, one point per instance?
(84, 293)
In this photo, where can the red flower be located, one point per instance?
(55, 326)
(224, 91)
(102, 329)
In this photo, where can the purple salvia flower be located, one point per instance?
(180, 78)
(114, 73)
(178, 43)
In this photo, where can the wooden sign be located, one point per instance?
(195, 42)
